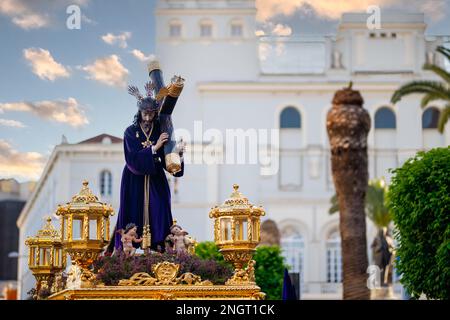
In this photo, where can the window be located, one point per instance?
(291, 158)
(106, 183)
(293, 250)
(334, 259)
(290, 118)
(385, 119)
(206, 30)
(237, 30)
(175, 30)
(430, 118)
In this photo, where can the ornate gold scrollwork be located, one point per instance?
(165, 275)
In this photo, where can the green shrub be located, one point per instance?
(208, 250)
(269, 269)
(419, 200)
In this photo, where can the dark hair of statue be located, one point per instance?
(129, 227)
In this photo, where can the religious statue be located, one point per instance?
(58, 282)
(145, 193)
(179, 240)
(382, 249)
(129, 236)
(74, 277)
(270, 235)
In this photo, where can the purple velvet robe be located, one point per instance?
(141, 161)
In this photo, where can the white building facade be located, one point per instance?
(98, 160)
(237, 80)
(282, 86)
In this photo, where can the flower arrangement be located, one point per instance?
(111, 269)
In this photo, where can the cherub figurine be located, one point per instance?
(129, 235)
(73, 277)
(178, 239)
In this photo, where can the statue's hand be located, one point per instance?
(181, 147)
(162, 139)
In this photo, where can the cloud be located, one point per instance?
(13, 163)
(62, 111)
(141, 56)
(43, 64)
(270, 28)
(11, 123)
(260, 33)
(281, 30)
(108, 70)
(436, 10)
(22, 14)
(31, 21)
(333, 9)
(120, 39)
(29, 14)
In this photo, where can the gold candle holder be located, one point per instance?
(85, 230)
(237, 233)
(46, 256)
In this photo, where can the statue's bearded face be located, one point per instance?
(147, 118)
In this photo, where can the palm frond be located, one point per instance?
(444, 51)
(439, 71)
(443, 118)
(334, 205)
(422, 87)
(429, 98)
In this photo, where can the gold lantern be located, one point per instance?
(85, 230)
(237, 229)
(46, 256)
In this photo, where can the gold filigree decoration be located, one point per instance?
(237, 203)
(243, 276)
(85, 195)
(48, 231)
(165, 274)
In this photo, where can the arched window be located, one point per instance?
(106, 183)
(385, 119)
(290, 118)
(430, 118)
(334, 260)
(293, 250)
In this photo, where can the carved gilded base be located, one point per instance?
(180, 292)
(166, 285)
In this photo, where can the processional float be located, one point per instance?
(84, 233)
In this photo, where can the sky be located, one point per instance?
(55, 80)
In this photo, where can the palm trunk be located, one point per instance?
(348, 125)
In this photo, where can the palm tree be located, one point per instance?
(378, 213)
(433, 90)
(348, 124)
(375, 204)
